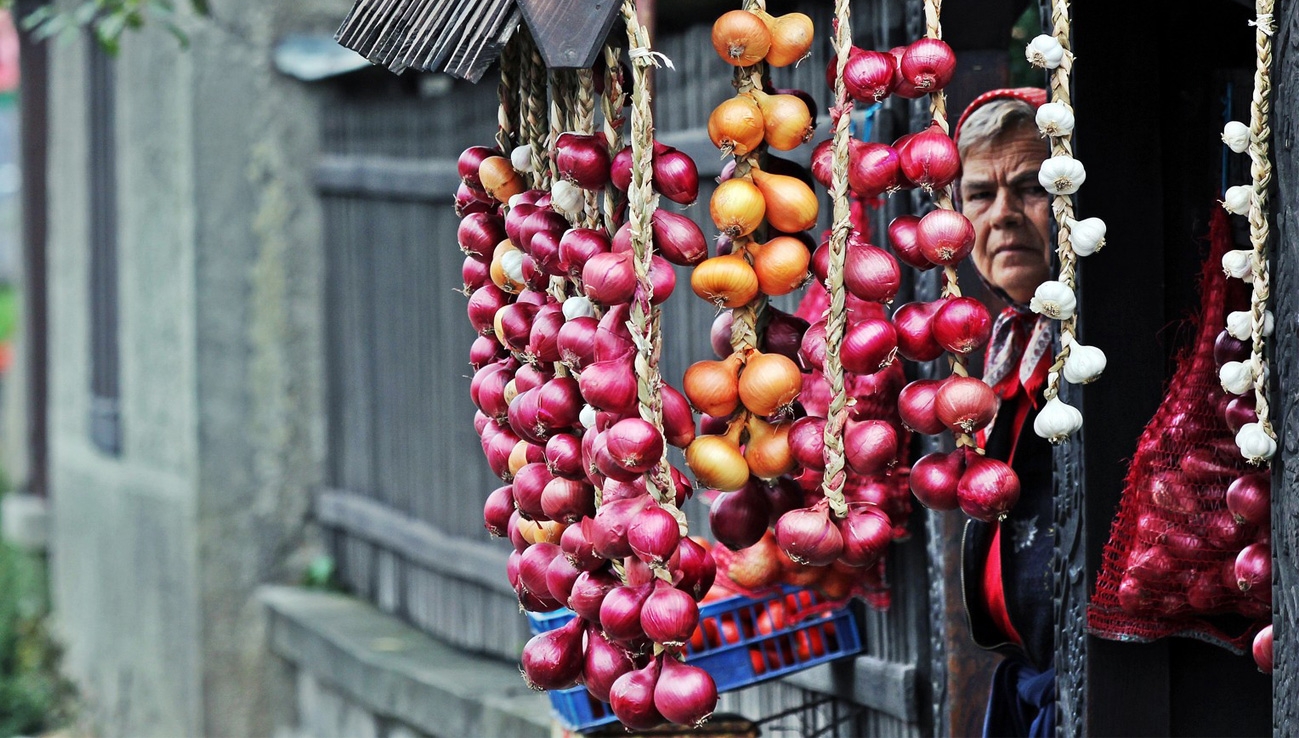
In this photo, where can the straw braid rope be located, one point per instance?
(533, 94)
(1261, 174)
(559, 113)
(641, 205)
(611, 105)
(837, 314)
(744, 319)
(584, 122)
(943, 197)
(1062, 205)
(508, 93)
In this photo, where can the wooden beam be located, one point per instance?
(387, 178)
(887, 686)
(570, 34)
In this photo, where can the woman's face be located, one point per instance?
(1010, 211)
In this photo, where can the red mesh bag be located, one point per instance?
(1168, 567)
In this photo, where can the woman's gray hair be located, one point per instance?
(992, 122)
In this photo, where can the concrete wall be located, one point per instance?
(156, 553)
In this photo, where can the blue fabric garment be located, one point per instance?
(1021, 703)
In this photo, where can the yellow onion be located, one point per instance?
(769, 383)
(791, 38)
(767, 452)
(738, 207)
(780, 264)
(717, 463)
(741, 38)
(725, 281)
(713, 386)
(736, 126)
(499, 178)
(786, 120)
(497, 271)
(791, 205)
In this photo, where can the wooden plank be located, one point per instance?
(569, 34)
(387, 178)
(462, 558)
(880, 684)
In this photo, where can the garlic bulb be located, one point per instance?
(578, 306)
(1061, 175)
(1084, 363)
(586, 416)
(1237, 377)
(514, 200)
(567, 197)
(521, 158)
(1054, 300)
(1236, 200)
(512, 265)
(1086, 236)
(1236, 135)
(1057, 421)
(1055, 119)
(1044, 51)
(1255, 444)
(1240, 324)
(1239, 264)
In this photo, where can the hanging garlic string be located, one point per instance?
(744, 319)
(836, 416)
(642, 201)
(533, 94)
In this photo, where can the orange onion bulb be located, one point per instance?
(791, 205)
(736, 126)
(769, 383)
(741, 38)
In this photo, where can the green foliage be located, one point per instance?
(320, 574)
(34, 696)
(1029, 25)
(108, 19)
(8, 313)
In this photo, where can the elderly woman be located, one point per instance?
(1007, 566)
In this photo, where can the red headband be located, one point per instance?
(1034, 96)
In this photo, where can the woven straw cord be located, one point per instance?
(611, 105)
(560, 104)
(534, 109)
(1261, 174)
(837, 314)
(583, 112)
(641, 205)
(744, 319)
(508, 93)
(1062, 205)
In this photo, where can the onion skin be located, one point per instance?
(578, 549)
(497, 510)
(1262, 649)
(869, 346)
(916, 406)
(684, 694)
(1254, 571)
(739, 519)
(807, 441)
(698, 569)
(965, 404)
(934, 479)
(915, 338)
(632, 695)
(769, 383)
(867, 533)
(809, 537)
(654, 535)
(870, 446)
(928, 64)
(676, 177)
(905, 243)
(741, 38)
(988, 489)
(620, 612)
(1249, 498)
(669, 616)
(874, 170)
(604, 664)
(609, 531)
(554, 659)
(945, 237)
(588, 593)
(961, 325)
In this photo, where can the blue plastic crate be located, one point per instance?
(746, 641)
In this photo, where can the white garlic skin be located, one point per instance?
(1061, 175)
(1057, 421)
(1240, 324)
(1237, 377)
(1084, 364)
(1054, 299)
(578, 306)
(567, 197)
(1055, 119)
(586, 416)
(1254, 443)
(521, 158)
(1239, 264)
(1044, 51)
(1236, 200)
(512, 265)
(1086, 236)
(1236, 135)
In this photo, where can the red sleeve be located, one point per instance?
(993, 592)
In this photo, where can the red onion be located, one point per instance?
(533, 565)
(635, 445)
(663, 279)
(610, 385)
(632, 490)
(961, 325)
(1263, 649)
(469, 201)
(560, 576)
(605, 462)
(485, 350)
(874, 169)
(523, 417)
(868, 75)
(578, 549)
(1225, 532)
(529, 484)
(675, 176)
(609, 529)
(483, 305)
(542, 220)
(1152, 565)
(534, 297)
(684, 487)
(474, 274)
(480, 422)
(945, 236)
(678, 419)
(867, 533)
(916, 340)
(632, 698)
(811, 353)
(1206, 593)
(868, 346)
(613, 337)
(588, 593)
(669, 616)
(965, 404)
(901, 87)
(916, 406)
(576, 342)
(498, 451)
(928, 64)
(684, 694)
(609, 279)
(516, 324)
(554, 659)
(515, 218)
(578, 246)
(906, 244)
(823, 160)
(807, 442)
(678, 238)
(543, 339)
(935, 477)
(583, 159)
(1239, 411)
(497, 511)
(1249, 498)
(739, 519)
(489, 394)
(479, 233)
(605, 662)
(871, 273)
(784, 334)
(698, 569)
(563, 454)
(520, 544)
(1228, 348)
(1254, 571)
(988, 489)
(653, 535)
(469, 161)
(870, 446)
(808, 536)
(620, 612)
(719, 335)
(1134, 596)
(567, 500)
